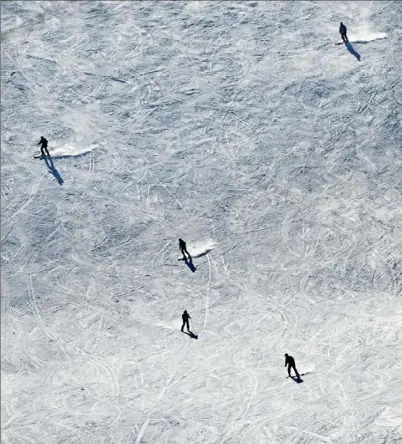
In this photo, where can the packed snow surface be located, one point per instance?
(244, 129)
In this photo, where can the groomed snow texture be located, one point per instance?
(244, 129)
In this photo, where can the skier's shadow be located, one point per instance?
(53, 170)
(191, 334)
(190, 265)
(352, 50)
(297, 379)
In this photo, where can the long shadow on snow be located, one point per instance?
(191, 334)
(298, 380)
(190, 265)
(53, 170)
(352, 50)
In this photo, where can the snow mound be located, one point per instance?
(366, 37)
(71, 151)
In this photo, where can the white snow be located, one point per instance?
(69, 151)
(235, 123)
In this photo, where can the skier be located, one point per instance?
(43, 147)
(290, 362)
(185, 316)
(183, 249)
(342, 31)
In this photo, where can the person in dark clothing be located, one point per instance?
(290, 362)
(185, 316)
(43, 147)
(183, 249)
(342, 31)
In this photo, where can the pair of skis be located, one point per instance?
(40, 156)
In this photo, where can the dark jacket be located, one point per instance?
(185, 316)
(342, 29)
(43, 142)
(182, 244)
(289, 360)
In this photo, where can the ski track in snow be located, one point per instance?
(243, 129)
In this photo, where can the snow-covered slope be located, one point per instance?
(243, 129)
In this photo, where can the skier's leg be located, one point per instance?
(188, 255)
(188, 326)
(47, 152)
(182, 326)
(297, 373)
(289, 370)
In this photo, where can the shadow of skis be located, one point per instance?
(191, 334)
(299, 380)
